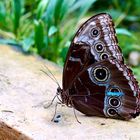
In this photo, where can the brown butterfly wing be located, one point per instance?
(95, 40)
(106, 88)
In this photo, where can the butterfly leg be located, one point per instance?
(76, 115)
(55, 110)
(57, 95)
(72, 105)
(47, 106)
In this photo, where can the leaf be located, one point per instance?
(17, 8)
(82, 5)
(132, 18)
(8, 41)
(52, 30)
(39, 35)
(136, 71)
(2, 13)
(5, 34)
(65, 8)
(41, 8)
(124, 32)
(49, 13)
(85, 7)
(27, 43)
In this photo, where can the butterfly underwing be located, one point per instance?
(95, 79)
(95, 40)
(106, 89)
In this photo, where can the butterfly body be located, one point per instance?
(95, 79)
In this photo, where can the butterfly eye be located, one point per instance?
(101, 74)
(99, 47)
(104, 56)
(94, 32)
(114, 102)
(112, 112)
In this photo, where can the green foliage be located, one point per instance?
(46, 27)
(16, 8)
(136, 71)
(39, 35)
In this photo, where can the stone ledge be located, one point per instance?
(9, 133)
(24, 89)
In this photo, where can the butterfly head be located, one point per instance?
(64, 96)
(59, 90)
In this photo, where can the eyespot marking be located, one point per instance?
(114, 102)
(94, 32)
(112, 112)
(100, 74)
(104, 56)
(99, 47)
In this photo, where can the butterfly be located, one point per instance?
(96, 81)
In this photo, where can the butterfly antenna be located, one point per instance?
(51, 75)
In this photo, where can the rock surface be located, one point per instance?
(24, 90)
(9, 133)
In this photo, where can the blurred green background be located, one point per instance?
(46, 27)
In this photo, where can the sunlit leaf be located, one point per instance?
(49, 13)
(41, 8)
(124, 32)
(27, 43)
(52, 30)
(7, 41)
(132, 18)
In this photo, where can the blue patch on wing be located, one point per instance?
(114, 93)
